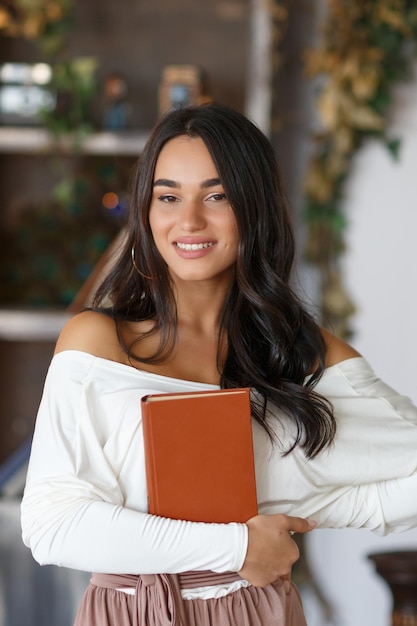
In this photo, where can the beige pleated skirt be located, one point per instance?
(157, 601)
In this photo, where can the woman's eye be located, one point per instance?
(217, 197)
(167, 198)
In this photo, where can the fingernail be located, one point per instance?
(311, 522)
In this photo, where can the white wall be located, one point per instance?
(380, 273)
(381, 262)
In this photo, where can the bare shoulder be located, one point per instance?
(336, 349)
(92, 332)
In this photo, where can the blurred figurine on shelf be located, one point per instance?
(116, 105)
(181, 86)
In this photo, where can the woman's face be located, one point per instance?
(192, 222)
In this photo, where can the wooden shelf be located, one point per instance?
(30, 325)
(23, 140)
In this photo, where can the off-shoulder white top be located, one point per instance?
(85, 501)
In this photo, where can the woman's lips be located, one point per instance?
(193, 249)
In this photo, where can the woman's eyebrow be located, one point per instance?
(166, 182)
(210, 182)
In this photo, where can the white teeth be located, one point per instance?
(193, 246)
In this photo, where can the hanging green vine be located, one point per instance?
(366, 48)
(47, 24)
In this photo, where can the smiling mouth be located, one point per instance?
(193, 246)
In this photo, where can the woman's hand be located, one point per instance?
(271, 549)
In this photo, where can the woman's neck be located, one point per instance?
(200, 306)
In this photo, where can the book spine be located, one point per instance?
(149, 459)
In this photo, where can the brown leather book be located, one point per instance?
(199, 455)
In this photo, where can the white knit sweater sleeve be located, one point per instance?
(73, 511)
(367, 478)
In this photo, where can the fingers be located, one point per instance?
(289, 523)
(298, 524)
(271, 550)
(286, 579)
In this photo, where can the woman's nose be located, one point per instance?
(192, 216)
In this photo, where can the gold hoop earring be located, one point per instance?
(132, 252)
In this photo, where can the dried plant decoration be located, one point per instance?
(366, 47)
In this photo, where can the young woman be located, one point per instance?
(199, 297)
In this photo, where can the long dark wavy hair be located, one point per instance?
(274, 345)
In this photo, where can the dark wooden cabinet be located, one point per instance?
(399, 571)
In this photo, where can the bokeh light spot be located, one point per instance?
(110, 200)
